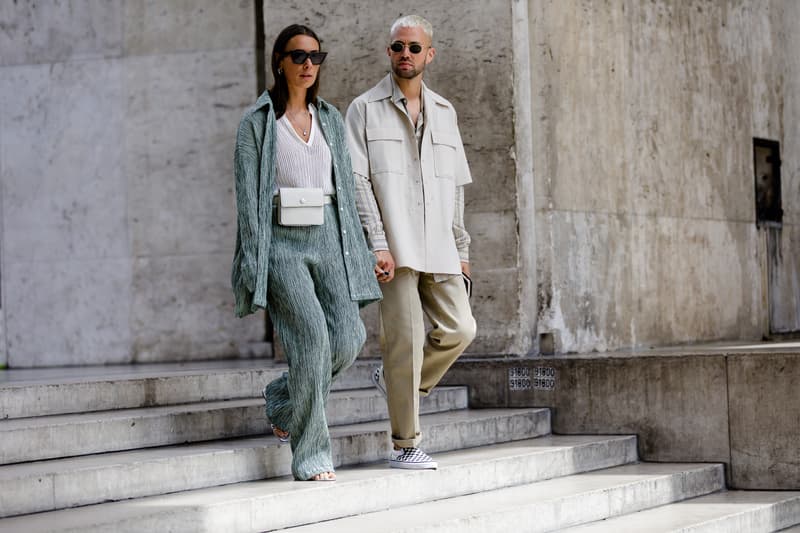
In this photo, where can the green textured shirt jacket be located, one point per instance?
(254, 169)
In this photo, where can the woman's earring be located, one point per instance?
(280, 71)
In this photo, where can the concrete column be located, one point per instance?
(526, 340)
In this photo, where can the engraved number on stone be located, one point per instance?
(538, 378)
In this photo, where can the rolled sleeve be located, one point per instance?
(462, 238)
(369, 213)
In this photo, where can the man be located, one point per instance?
(410, 169)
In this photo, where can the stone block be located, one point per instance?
(790, 145)
(764, 421)
(372, 322)
(62, 170)
(783, 277)
(155, 27)
(494, 181)
(3, 348)
(68, 312)
(182, 309)
(486, 381)
(494, 239)
(495, 306)
(49, 32)
(621, 131)
(635, 281)
(677, 406)
(182, 115)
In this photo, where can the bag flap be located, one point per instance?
(300, 197)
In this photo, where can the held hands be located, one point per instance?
(384, 269)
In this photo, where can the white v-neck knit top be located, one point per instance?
(299, 163)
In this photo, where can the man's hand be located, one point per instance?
(384, 269)
(465, 268)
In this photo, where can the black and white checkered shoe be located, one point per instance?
(411, 459)
(378, 381)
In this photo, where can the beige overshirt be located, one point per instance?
(413, 184)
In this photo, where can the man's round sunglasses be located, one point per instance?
(299, 56)
(398, 46)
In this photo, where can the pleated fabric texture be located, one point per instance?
(321, 331)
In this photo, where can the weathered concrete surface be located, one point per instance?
(3, 344)
(117, 123)
(765, 421)
(790, 147)
(52, 32)
(676, 405)
(782, 248)
(473, 69)
(644, 114)
(621, 212)
(684, 405)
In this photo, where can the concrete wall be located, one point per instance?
(610, 143)
(644, 114)
(473, 69)
(116, 127)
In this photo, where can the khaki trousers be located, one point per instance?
(413, 361)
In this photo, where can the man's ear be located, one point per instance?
(430, 55)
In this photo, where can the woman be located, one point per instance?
(312, 279)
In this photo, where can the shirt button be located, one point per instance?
(347, 253)
(344, 232)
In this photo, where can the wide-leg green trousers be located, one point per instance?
(322, 333)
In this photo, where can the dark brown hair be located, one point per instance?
(279, 93)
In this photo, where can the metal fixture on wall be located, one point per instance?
(767, 167)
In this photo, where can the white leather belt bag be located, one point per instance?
(301, 206)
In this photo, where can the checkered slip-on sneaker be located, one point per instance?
(411, 459)
(378, 381)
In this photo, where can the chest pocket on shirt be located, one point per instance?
(385, 146)
(444, 153)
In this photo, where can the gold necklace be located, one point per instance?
(306, 115)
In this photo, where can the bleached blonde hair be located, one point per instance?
(412, 21)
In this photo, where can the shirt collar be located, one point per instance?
(400, 99)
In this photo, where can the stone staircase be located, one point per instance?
(184, 448)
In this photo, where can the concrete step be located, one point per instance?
(33, 439)
(544, 506)
(726, 512)
(55, 484)
(277, 503)
(40, 392)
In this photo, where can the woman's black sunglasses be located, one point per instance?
(398, 46)
(299, 56)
